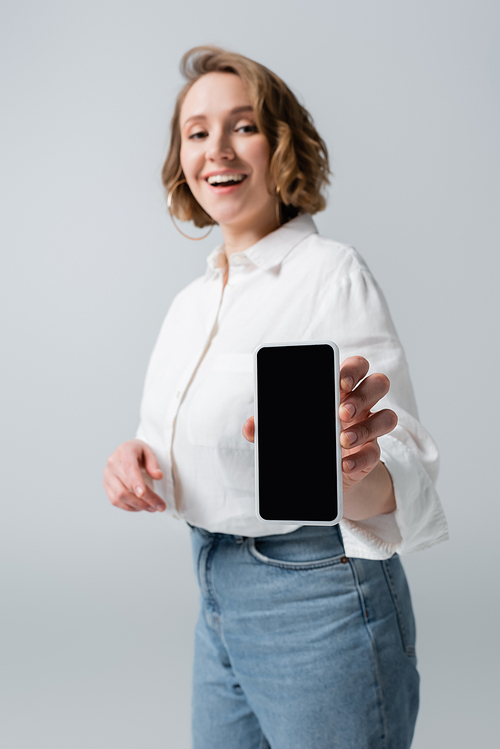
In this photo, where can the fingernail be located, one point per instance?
(159, 508)
(351, 437)
(347, 383)
(150, 509)
(139, 491)
(350, 408)
(349, 464)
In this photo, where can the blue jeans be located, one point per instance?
(298, 647)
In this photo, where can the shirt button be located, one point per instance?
(229, 286)
(178, 394)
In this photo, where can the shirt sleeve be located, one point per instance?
(409, 452)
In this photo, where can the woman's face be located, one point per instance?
(220, 140)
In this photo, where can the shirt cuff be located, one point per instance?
(418, 521)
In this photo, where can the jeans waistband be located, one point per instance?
(316, 531)
(209, 534)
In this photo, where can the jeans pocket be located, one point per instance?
(401, 599)
(309, 547)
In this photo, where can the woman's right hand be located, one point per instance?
(127, 478)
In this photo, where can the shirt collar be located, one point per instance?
(269, 251)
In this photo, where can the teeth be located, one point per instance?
(216, 179)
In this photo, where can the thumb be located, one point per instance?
(248, 430)
(151, 464)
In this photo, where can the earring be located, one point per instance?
(169, 204)
(278, 206)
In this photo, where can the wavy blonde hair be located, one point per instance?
(299, 157)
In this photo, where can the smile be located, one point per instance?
(223, 182)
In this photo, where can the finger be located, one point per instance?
(357, 404)
(119, 496)
(151, 463)
(125, 507)
(352, 371)
(359, 433)
(363, 460)
(114, 501)
(248, 430)
(128, 471)
(134, 479)
(153, 500)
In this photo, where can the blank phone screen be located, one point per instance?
(297, 443)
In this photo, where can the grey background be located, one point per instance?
(99, 605)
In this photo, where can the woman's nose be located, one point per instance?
(220, 148)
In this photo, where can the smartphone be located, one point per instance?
(298, 470)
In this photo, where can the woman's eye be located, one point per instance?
(202, 133)
(248, 128)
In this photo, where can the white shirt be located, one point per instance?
(292, 285)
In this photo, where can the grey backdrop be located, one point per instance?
(99, 605)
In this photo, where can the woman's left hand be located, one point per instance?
(360, 428)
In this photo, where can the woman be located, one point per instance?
(306, 635)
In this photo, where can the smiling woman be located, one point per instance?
(297, 168)
(306, 635)
(223, 142)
